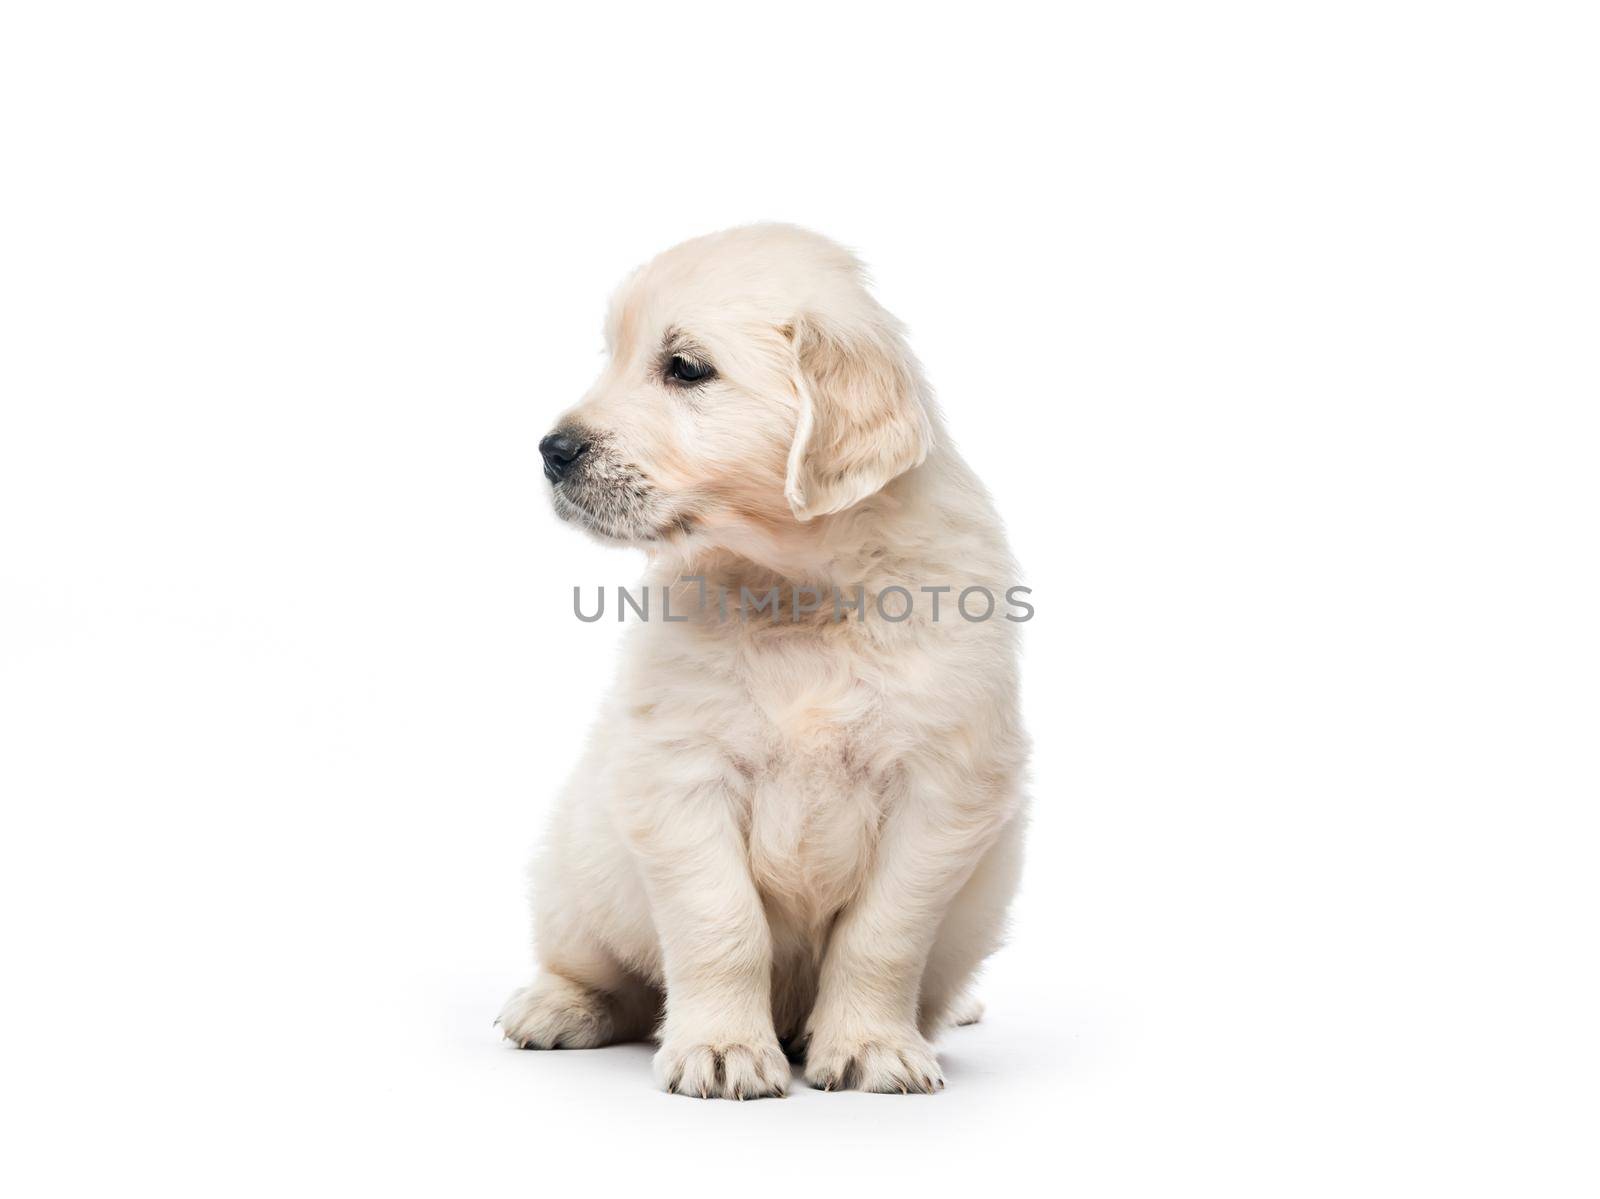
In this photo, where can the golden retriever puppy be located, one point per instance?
(798, 823)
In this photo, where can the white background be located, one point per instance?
(1273, 329)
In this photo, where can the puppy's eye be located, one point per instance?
(687, 370)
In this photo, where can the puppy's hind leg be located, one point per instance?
(972, 929)
(591, 917)
(583, 995)
(966, 1010)
(556, 1012)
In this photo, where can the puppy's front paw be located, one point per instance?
(896, 1062)
(556, 1014)
(723, 1069)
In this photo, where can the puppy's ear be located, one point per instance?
(862, 421)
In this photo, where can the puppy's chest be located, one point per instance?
(819, 779)
(813, 813)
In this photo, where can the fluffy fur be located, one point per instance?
(789, 835)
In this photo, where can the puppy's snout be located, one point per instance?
(561, 450)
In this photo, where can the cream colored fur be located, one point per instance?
(807, 830)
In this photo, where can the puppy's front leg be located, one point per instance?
(863, 1030)
(717, 1038)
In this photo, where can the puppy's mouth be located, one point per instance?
(616, 503)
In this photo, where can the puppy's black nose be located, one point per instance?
(561, 449)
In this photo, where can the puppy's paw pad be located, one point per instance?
(892, 1065)
(723, 1069)
(546, 1016)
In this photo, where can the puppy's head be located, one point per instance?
(751, 383)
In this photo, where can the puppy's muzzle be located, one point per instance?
(561, 451)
